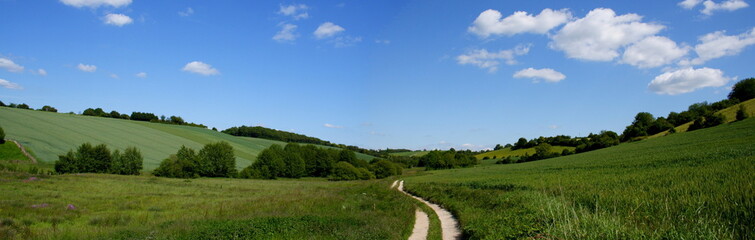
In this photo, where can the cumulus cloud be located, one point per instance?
(42, 72)
(87, 68)
(118, 19)
(718, 44)
(327, 29)
(489, 22)
(689, 4)
(547, 74)
(185, 13)
(653, 51)
(328, 125)
(287, 33)
(599, 35)
(297, 11)
(141, 75)
(10, 85)
(200, 68)
(490, 60)
(96, 3)
(687, 80)
(728, 5)
(11, 66)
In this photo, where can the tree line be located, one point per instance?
(140, 116)
(702, 115)
(99, 159)
(448, 159)
(295, 161)
(213, 160)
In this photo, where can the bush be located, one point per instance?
(128, 163)
(97, 159)
(217, 160)
(345, 171)
(384, 168)
(365, 174)
(2, 136)
(269, 164)
(741, 115)
(183, 164)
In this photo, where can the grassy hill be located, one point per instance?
(48, 134)
(411, 154)
(730, 113)
(693, 185)
(506, 152)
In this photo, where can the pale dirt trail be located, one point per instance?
(23, 150)
(421, 226)
(448, 224)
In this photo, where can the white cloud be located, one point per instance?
(42, 72)
(547, 74)
(346, 41)
(728, 5)
(10, 85)
(489, 22)
(113, 75)
(382, 41)
(295, 11)
(328, 125)
(200, 68)
(490, 60)
(687, 80)
(118, 19)
(286, 33)
(653, 51)
(10, 65)
(718, 44)
(96, 3)
(141, 75)
(185, 13)
(689, 4)
(599, 35)
(87, 68)
(328, 29)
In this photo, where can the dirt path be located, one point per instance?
(421, 226)
(449, 225)
(23, 150)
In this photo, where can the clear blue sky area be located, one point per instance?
(377, 74)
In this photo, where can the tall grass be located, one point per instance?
(695, 185)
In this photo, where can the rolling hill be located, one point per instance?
(506, 152)
(48, 134)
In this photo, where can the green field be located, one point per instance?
(694, 185)
(411, 154)
(730, 113)
(48, 135)
(506, 152)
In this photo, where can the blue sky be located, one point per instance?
(377, 74)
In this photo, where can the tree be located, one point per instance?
(2, 104)
(128, 163)
(659, 125)
(67, 163)
(269, 164)
(217, 160)
(743, 90)
(344, 171)
(47, 108)
(177, 120)
(521, 143)
(183, 164)
(23, 106)
(498, 147)
(543, 150)
(384, 168)
(2, 136)
(741, 115)
(294, 162)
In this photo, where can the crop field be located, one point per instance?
(48, 135)
(411, 154)
(506, 152)
(97, 206)
(693, 185)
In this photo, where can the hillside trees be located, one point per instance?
(98, 159)
(213, 160)
(47, 108)
(183, 164)
(741, 115)
(448, 159)
(743, 90)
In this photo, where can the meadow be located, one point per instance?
(99, 206)
(693, 185)
(48, 135)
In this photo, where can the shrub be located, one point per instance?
(741, 115)
(365, 174)
(97, 159)
(344, 171)
(128, 163)
(2, 136)
(269, 164)
(384, 168)
(217, 160)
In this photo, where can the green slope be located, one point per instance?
(692, 185)
(49, 134)
(411, 154)
(506, 152)
(730, 113)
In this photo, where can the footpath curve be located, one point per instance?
(449, 225)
